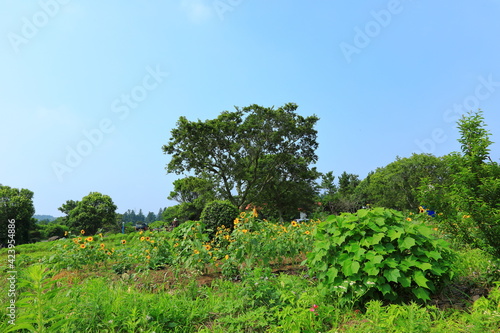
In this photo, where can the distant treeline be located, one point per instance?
(131, 216)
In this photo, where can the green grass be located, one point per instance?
(172, 299)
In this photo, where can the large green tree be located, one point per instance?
(341, 197)
(472, 190)
(16, 206)
(397, 185)
(248, 153)
(192, 194)
(93, 212)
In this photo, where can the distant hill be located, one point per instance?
(44, 217)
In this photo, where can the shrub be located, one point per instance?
(51, 230)
(217, 214)
(378, 254)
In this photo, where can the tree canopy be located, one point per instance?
(192, 194)
(397, 185)
(16, 205)
(250, 154)
(93, 212)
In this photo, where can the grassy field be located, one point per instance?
(249, 279)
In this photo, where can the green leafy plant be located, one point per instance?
(217, 214)
(468, 194)
(189, 249)
(378, 254)
(38, 292)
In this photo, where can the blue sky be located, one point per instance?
(89, 91)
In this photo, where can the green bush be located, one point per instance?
(158, 224)
(378, 254)
(217, 214)
(51, 230)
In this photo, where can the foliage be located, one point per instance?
(192, 193)
(16, 208)
(157, 282)
(378, 254)
(157, 224)
(257, 242)
(340, 198)
(476, 268)
(217, 214)
(38, 293)
(189, 248)
(93, 212)
(396, 185)
(470, 200)
(170, 213)
(53, 229)
(248, 154)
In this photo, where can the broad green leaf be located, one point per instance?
(406, 243)
(433, 254)
(390, 262)
(322, 245)
(380, 249)
(437, 270)
(353, 247)
(380, 221)
(421, 293)
(362, 213)
(332, 274)
(370, 269)
(355, 267)
(392, 275)
(405, 281)
(424, 266)
(359, 254)
(394, 234)
(350, 226)
(389, 247)
(407, 263)
(385, 288)
(322, 267)
(377, 259)
(350, 267)
(424, 230)
(339, 240)
(377, 238)
(420, 279)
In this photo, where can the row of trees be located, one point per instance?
(95, 212)
(130, 216)
(263, 157)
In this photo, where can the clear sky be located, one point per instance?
(90, 90)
